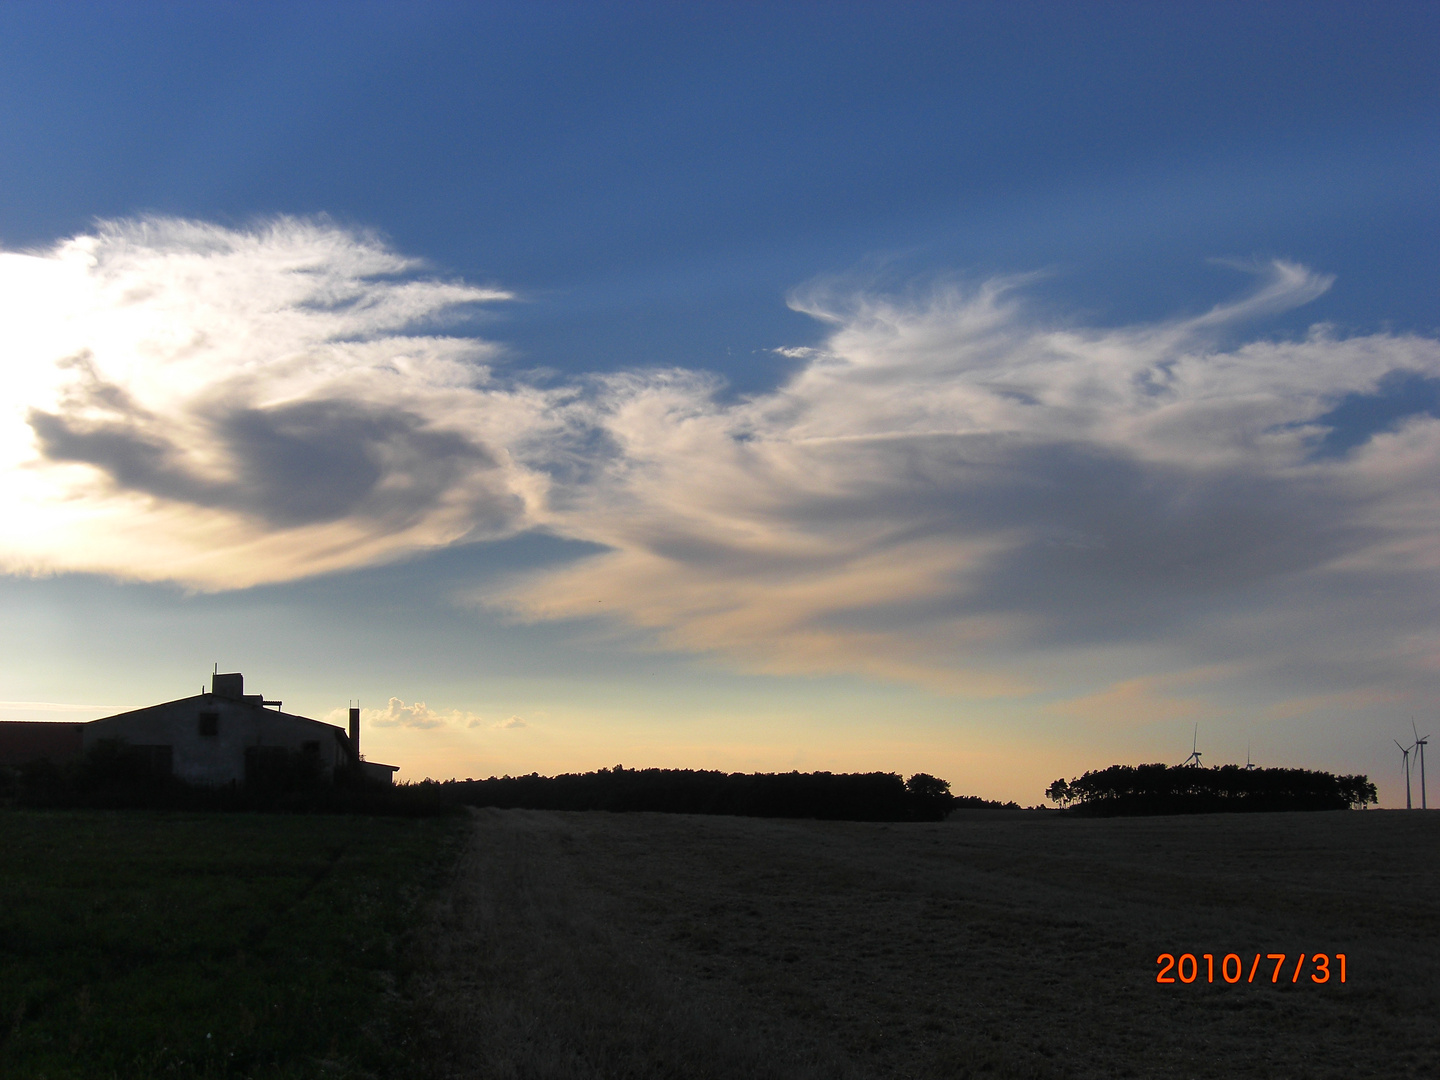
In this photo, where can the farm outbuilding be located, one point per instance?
(222, 737)
(22, 742)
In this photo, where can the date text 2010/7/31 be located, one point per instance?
(1231, 969)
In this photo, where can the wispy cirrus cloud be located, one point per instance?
(948, 487)
(951, 487)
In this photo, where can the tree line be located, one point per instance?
(114, 775)
(1191, 789)
(876, 796)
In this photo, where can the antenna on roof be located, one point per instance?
(1194, 750)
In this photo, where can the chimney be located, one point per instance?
(355, 731)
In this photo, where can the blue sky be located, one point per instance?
(995, 390)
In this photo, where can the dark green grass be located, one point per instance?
(140, 944)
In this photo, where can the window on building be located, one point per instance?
(209, 724)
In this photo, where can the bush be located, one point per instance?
(115, 775)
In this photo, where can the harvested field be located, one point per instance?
(580, 945)
(639, 945)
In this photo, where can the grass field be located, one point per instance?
(136, 944)
(526, 944)
(597, 945)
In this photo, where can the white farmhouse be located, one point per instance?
(228, 736)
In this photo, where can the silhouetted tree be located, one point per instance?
(930, 797)
(1358, 791)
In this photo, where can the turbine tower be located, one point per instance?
(1405, 757)
(1420, 745)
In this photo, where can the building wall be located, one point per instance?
(239, 726)
(23, 741)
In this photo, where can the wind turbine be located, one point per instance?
(1420, 744)
(1194, 750)
(1405, 753)
(1248, 763)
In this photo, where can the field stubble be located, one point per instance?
(645, 945)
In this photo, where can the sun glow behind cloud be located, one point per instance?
(950, 491)
(222, 409)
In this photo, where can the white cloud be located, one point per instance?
(419, 715)
(397, 714)
(25, 710)
(946, 485)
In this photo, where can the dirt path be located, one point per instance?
(598, 945)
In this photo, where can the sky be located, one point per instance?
(998, 391)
